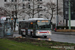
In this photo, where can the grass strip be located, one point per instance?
(6, 44)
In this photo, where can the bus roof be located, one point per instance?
(34, 19)
(38, 19)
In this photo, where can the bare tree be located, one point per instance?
(51, 9)
(31, 8)
(4, 12)
(13, 8)
(46, 14)
(34, 7)
(24, 12)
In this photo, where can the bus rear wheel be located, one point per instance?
(22, 33)
(31, 34)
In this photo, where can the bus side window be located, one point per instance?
(25, 25)
(34, 24)
(30, 25)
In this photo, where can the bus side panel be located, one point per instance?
(43, 32)
(30, 32)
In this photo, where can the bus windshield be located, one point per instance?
(43, 25)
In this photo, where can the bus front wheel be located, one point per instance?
(45, 36)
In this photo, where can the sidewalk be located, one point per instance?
(66, 33)
(16, 34)
(65, 30)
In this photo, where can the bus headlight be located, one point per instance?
(38, 32)
(49, 32)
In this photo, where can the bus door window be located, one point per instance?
(34, 28)
(30, 25)
(26, 28)
(35, 25)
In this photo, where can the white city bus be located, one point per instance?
(35, 27)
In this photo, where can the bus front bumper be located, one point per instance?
(43, 34)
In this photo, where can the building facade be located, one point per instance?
(72, 12)
(23, 9)
(66, 9)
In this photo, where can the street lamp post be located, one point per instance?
(69, 15)
(57, 15)
(33, 9)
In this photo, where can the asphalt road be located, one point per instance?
(56, 36)
(63, 37)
